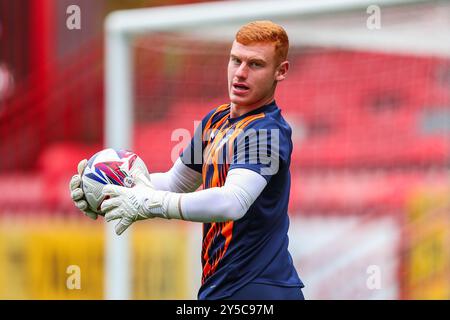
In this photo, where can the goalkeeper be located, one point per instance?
(241, 153)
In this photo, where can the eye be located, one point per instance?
(256, 65)
(235, 60)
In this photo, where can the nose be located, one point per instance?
(242, 71)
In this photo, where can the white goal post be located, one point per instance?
(120, 29)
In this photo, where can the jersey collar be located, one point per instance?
(265, 108)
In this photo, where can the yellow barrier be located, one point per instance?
(160, 260)
(53, 259)
(42, 260)
(427, 256)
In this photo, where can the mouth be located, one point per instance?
(240, 88)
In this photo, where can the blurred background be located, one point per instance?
(368, 101)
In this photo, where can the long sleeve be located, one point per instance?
(230, 202)
(180, 178)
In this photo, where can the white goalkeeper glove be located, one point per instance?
(139, 203)
(77, 193)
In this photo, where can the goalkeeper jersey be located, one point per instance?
(253, 249)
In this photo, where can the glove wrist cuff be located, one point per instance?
(174, 206)
(163, 204)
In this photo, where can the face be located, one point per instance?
(253, 72)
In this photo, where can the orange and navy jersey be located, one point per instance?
(255, 247)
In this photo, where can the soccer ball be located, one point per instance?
(109, 166)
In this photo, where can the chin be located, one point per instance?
(240, 101)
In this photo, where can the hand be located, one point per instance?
(77, 193)
(137, 203)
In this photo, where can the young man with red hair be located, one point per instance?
(241, 154)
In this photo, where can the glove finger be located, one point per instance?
(91, 214)
(75, 182)
(110, 203)
(84, 207)
(81, 165)
(111, 190)
(114, 214)
(123, 225)
(77, 194)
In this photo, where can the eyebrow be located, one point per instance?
(258, 60)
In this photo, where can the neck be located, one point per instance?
(238, 110)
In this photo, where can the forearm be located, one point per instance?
(212, 205)
(226, 203)
(179, 178)
(230, 202)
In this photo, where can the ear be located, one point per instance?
(282, 71)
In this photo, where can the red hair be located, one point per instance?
(265, 32)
